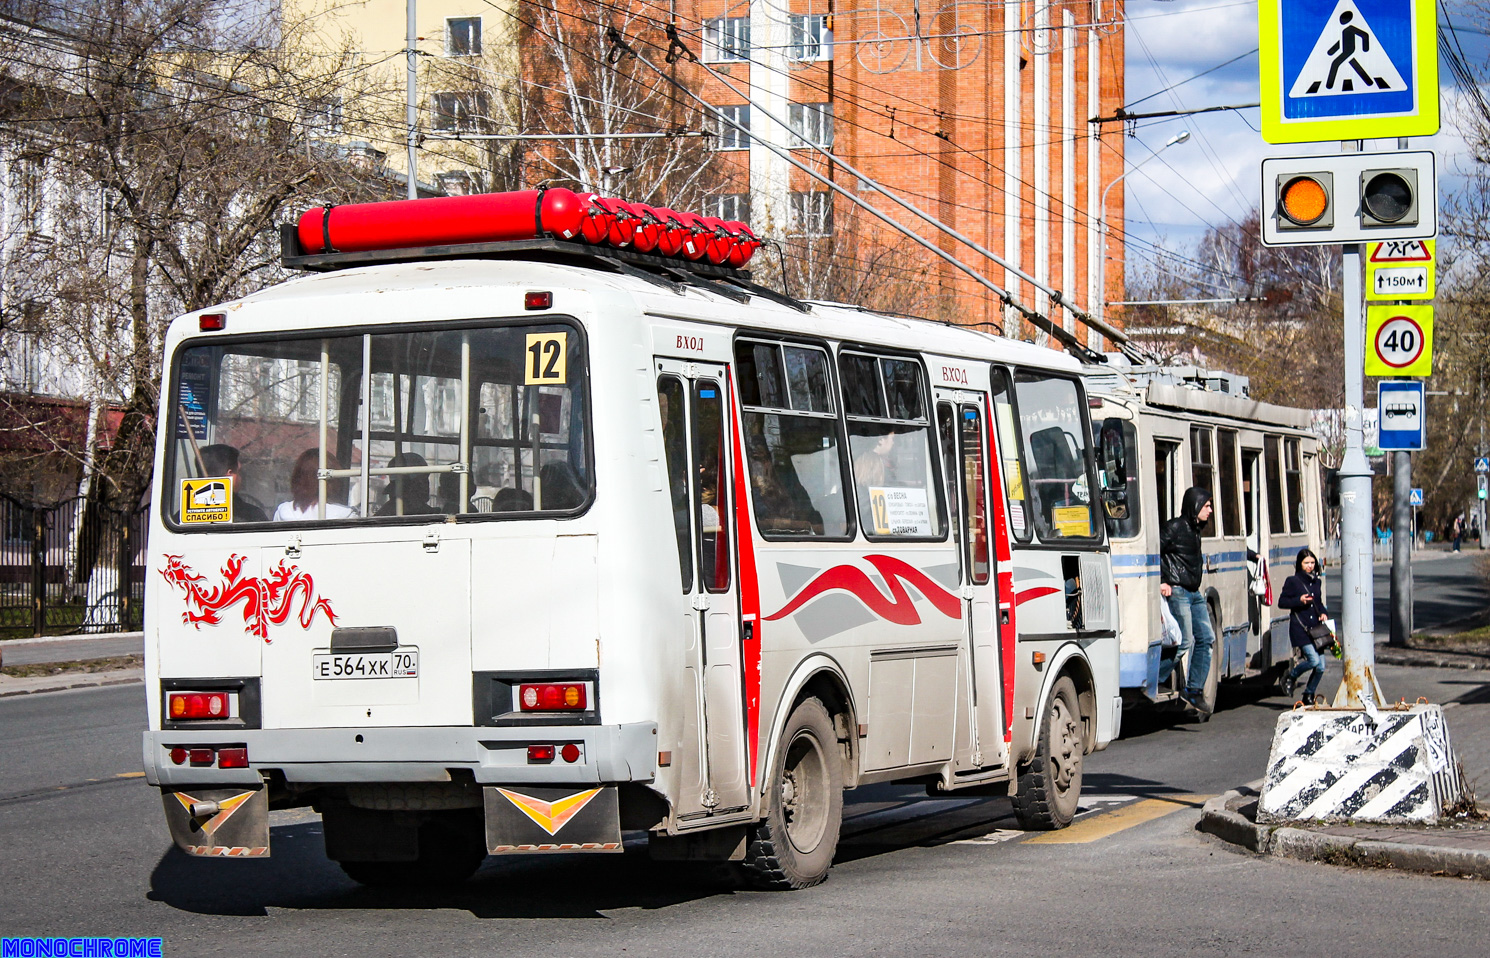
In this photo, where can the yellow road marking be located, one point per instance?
(1110, 823)
(130, 775)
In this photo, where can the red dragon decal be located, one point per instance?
(897, 608)
(266, 601)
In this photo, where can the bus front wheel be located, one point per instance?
(793, 846)
(1049, 787)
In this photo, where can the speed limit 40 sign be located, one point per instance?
(1399, 340)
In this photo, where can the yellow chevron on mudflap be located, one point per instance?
(550, 816)
(226, 809)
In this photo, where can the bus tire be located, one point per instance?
(1049, 787)
(793, 846)
(451, 847)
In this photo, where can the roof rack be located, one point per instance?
(669, 272)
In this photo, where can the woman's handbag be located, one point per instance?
(1322, 636)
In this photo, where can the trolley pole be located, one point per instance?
(411, 97)
(1357, 626)
(1401, 547)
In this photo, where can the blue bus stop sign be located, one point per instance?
(1348, 69)
(1400, 415)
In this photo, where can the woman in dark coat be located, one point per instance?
(1303, 596)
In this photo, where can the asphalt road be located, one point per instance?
(86, 852)
(1445, 587)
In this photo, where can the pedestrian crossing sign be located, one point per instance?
(1348, 69)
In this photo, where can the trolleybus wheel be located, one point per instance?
(1049, 787)
(793, 846)
(451, 847)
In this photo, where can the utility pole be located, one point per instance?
(1356, 624)
(1401, 547)
(411, 106)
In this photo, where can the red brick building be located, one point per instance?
(976, 111)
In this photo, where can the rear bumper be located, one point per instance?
(610, 754)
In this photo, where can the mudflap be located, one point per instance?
(219, 822)
(530, 819)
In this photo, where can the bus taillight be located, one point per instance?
(199, 705)
(553, 697)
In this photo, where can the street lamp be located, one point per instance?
(1175, 140)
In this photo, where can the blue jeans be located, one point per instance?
(1194, 616)
(1311, 660)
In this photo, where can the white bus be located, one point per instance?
(532, 549)
(1182, 427)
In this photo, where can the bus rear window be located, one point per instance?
(379, 426)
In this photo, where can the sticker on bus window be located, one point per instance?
(207, 500)
(547, 356)
(1072, 520)
(1016, 479)
(899, 511)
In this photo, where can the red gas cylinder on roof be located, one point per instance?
(746, 243)
(442, 221)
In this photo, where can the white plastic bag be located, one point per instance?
(1172, 634)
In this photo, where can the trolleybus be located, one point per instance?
(1181, 427)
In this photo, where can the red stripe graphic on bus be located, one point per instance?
(1037, 592)
(898, 607)
(750, 596)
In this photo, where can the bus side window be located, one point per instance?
(675, 452)
(713, 488)
(947, 431)
(1277, 525)
(1165, 452)
(974, 482)
(1229, 493)
(889, 434)
(1012, 461)
(1203, 473)
(1293, 473)
(791, 441)
(1050, 411)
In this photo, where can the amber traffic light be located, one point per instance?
(1304, 201)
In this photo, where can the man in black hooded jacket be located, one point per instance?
(1180, 567)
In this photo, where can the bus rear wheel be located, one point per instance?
(1049, 787)
(793, 846)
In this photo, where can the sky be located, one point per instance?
(1213, 179)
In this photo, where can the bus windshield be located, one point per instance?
(465, 422)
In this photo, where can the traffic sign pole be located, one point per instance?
(1401, 548)
(1357, 626)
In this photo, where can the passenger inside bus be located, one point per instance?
(305, 491)
(221, 459)
(407, 495)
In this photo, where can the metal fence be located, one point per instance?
(61, 572)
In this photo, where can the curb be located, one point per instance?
(1221, 818)
(1427, 661)
(65, 682)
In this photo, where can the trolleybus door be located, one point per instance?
(695, 407)
(963, 430)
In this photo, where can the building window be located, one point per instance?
(812, 38)
(812, 123)
(811, 213)
(459, 112)
(728, 127)
(726, 38)
(460, 182)
(323, 118)
(463, 37)
(728, 206)
(31, 195)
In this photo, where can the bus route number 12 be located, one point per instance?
(547, 355)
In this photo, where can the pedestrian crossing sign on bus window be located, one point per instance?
(1348, 69)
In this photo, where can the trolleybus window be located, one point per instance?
(1203, 473)
(791, 441)
(974, 482)
(889, 434)
(1294, 477)
(1229, 494)
(1050, 418)
(1276, 522)
(946, 424)
(459, 422)
(1008, 442)
(1129, 526)
(713, 491)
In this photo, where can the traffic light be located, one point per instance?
(1482, 478)
(1349, 198)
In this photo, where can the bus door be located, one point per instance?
(963, 432)
(694, 402)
